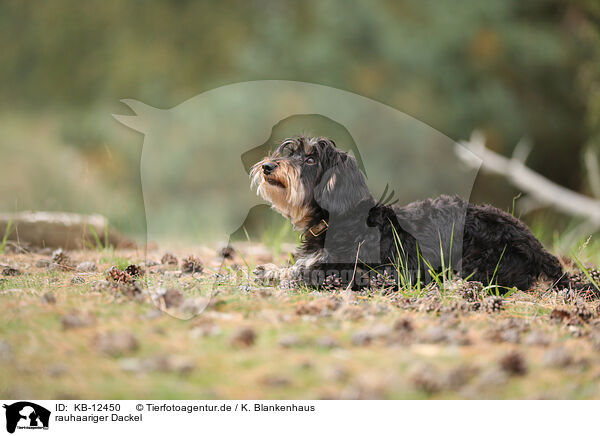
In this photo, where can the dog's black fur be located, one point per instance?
(478, 242)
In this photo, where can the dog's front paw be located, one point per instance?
(271, 275)
(266, 274)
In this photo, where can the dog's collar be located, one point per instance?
(318, 228)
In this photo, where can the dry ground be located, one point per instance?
(70, 334)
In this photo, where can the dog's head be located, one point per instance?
(304, 174)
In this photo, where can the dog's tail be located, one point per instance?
(551, 268)
(584, 283)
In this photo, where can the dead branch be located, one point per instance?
(593, 171)
(537, 187)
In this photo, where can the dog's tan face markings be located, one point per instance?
(289, 185)
(282, 187)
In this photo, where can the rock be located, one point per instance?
(86, 267)
(244, 337)
(115, 343)
(69, 231)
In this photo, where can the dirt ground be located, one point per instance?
(201, 328)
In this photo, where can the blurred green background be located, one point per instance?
(510, 68)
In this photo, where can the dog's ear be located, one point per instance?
(342, 186)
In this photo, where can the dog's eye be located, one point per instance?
(311, 160)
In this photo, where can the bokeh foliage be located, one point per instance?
(508, 67)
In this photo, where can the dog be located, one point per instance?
(348, 234)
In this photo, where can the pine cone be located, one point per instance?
(493, 304)
(471, 291)
(10, 271)
(227, 252)
(513, 363)
(134, 270)
(117, 276)
(62, 259)
(580, 279)
(382, 280)
(191, 264)
(129, 289)
(430, 304)
(582, 312)
(332, 282)
(475, 306)
(560, 316)
(169, 259)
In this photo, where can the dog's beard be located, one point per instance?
(284, 190)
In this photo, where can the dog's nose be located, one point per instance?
(268, 167)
